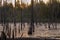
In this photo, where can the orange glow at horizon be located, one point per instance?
(45, 1)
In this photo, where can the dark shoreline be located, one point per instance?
(34, 22)
(31, 39)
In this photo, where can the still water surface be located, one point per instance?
(41, 29)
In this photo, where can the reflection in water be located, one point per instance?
(41, 29)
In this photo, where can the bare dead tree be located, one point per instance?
(13, 34)
(3, 19)
(54, 16)
(21, 15)
(31, 29)
(49, 18)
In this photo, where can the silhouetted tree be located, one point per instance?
(3, 36)
(31, 29)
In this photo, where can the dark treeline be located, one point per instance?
(42, 12)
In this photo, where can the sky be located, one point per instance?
(45, 1)
(24, 1)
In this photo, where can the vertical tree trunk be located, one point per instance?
(13, 34)
(15, 3)
(31, 29)
(49, 18)
(21, 16)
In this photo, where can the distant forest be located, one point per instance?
(41, 12)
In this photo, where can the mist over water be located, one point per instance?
(41, 30)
